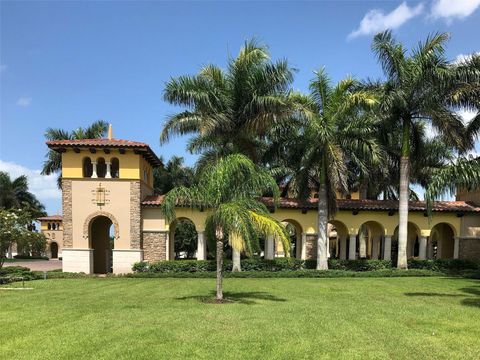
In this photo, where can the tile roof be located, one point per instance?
(143, 148)
(369, 205)
(51, 218)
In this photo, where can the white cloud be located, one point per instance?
(24, 101)
(376, 20)
(44, 187)
(456, 9)
(464, 57)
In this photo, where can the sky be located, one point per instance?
(67, 64)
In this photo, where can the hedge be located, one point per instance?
(14, 273)
(291, 264)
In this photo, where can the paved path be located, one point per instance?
(37, 265)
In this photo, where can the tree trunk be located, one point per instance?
(403, 198)
(236, 263)
(322, 239)
(219, 269)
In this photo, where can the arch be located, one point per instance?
(295, 231)
(441, 242)
(87, 167)
(183, 239)
(53, 250)
(101, 167)
(337, 239)
(88, 220)
(54, 226)
(49, 226)
(115, 168)
(370, 240)
(413, 237)
(101, 244)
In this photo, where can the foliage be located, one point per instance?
(31, 244)
(185, 239)
(14, 194)
(172, 175)
(231, 111)
(10, 274)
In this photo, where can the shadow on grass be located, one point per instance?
(247, 298)
(472, 293)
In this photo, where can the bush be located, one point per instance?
(14, 273)
(29, 257)
(444, 264)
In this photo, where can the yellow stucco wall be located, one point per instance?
(132, 165)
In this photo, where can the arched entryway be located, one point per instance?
(102, 242)
(183, 239)
(370, 236)
(441, 242)
(294, 230)
(337, 240)
(413, 241)
(53, 250)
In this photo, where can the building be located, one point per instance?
(52, 228)
(112, 218)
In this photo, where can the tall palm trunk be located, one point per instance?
(219, 269)
(403, 198)
(322, 238)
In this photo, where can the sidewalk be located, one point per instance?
(37, 265)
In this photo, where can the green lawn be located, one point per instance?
(345, 318)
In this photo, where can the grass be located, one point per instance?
(343, 318)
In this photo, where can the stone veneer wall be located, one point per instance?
(135, 215)
(67, 213)
(154, 246)
(469, 248)
(311, 246)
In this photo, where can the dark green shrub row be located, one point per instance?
(306, 273)
(30, 257)
(281, 264)
(444, 264)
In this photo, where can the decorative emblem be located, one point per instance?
(100, 196)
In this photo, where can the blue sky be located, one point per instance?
(66, 64)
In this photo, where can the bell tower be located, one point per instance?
(103, 184)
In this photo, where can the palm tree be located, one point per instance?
(173, 174)
(464, 173)
(422, 87)
(229, 189)
(231, 111)
(53, 164)
(340, 132)
(14, 194)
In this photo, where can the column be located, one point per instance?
(236, 266)
(201, 246)
(303, 254)
(456, 247)
(108, 174)
(269, 248)
(10, 255)
(343, 247)
(94, 169)
(387, 248)
(422, 250)
(167, 245)
(363, 245)
(353, 247)
(375, 240)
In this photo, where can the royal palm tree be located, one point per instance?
(230, 111)
(53, 164)
(422, 87)
(14, 194)
(229, 190)
(175, 173)
(340, 131)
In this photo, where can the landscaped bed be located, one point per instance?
(343, 318)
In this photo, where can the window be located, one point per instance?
(87, 167)
(115, 168)
(101, 167)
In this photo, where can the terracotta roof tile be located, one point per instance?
(51, 218)
(371, 205)
(146, 151)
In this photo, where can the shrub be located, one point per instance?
(444, 264)
(14, 273)
(22, 256)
